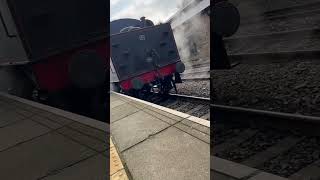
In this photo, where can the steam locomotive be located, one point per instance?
(144, 57)
(55, 52)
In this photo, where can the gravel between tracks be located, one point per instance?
(292, 87)
(201, 112)
(303, 154)
(194, 88)
(259, 142)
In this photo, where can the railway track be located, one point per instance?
(195, 106)
(284, 144)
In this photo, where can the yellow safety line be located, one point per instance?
(117, 171)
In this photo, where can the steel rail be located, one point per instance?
(250, 111)
(190, 97)
(264, 113)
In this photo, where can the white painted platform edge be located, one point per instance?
(171, 111)
(75, 117)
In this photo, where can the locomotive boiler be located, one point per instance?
(55, 52)
(144, 57)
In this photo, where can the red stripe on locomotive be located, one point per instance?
(149, 76)
(52, 73)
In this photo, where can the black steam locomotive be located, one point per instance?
(144, 57)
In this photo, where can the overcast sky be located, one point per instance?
(155, 10)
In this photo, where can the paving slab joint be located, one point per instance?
(153, 134)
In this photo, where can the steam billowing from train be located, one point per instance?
(193, 36)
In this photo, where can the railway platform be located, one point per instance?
(41, 142)
(158, 143)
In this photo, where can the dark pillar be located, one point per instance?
(219, 54)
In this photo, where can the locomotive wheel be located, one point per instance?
(143, 93)
(166, 85)
(115, 87)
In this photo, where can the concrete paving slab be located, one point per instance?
(17, 105)
(10, 107)
(29, 149)
(116, 103)
(171, 154)
(20, 108)
(2, 98)
(113, 97)
(194, 132)
(3, 108)
(8, 100)
(138, 105)
(125, 99)
(27, 107)
(84, 139)
(20, 132)
(9, 117)
(61, 115)
(196, 126)
(96, 133)
(7, 104)
(166, 114)
(40, 157)
(46, 122)
(162, 117)
(122, 111)
(24, 113)
(151, 105)
(94, 168)
(54, 117)
(135, 128)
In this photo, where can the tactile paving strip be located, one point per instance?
(117, 171)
